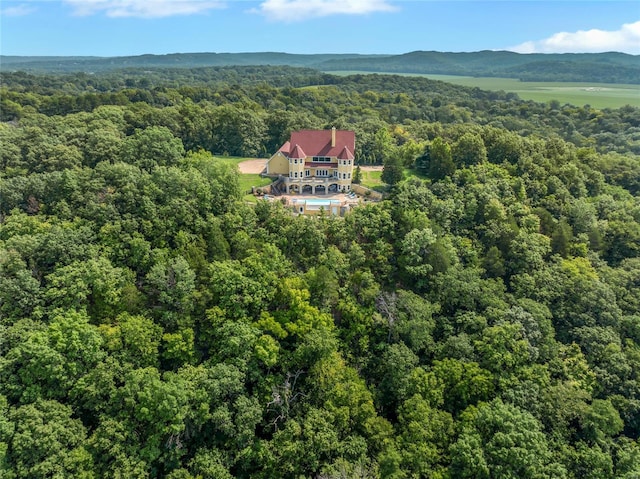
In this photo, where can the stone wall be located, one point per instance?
(366, 192)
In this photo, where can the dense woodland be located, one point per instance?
(481, 322)
(609, 67)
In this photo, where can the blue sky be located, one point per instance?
(134, 27)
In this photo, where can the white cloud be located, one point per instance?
(626, 40)
(17, 10)
(142, 8)
(299, 10)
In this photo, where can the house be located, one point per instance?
(315, 161)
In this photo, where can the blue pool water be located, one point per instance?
(320, 202)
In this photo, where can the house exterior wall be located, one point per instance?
(303, 207)
(296, 165)
(345, 172)
(278, 165)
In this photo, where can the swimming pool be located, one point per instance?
(319, 202)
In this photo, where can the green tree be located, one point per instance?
(238, 131)
(133, 339)
(95, 285)
(357, 175)
(424, 438)
(20, 292)
(152, 147)
(500, 440)
(469, 150)
(440, 159)
(170, 285)
(493, 263)
(47, 361)
(393, 170)
(465, 383)
(384, 146)
(48, 442)
(561, 238)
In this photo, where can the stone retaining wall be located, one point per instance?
(366, 192)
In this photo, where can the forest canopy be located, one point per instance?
(481, 321)
(608, 67)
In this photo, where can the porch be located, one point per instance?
(313, 185)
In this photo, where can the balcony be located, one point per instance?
(312, 180)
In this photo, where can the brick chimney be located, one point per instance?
(333, 137)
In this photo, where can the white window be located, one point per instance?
(307, 172)
(301, 209)
(349, 175)
(296, 174)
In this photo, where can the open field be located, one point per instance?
(371, 178)
(598, 95)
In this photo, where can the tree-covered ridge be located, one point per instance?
(483, 321)
(257, 106)
(610, 67)
(172, 60)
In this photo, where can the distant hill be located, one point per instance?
(571, 67)
(593, 67)
(172, 60)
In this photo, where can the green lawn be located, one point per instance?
(232, 160)
(598, 95)
(247, 180)
(371, 179)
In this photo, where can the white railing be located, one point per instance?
(312, 180)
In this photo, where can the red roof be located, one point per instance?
(345, 154)
(297, 152)
(318, 142)
(285, 148)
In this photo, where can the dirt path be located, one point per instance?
(372, 168)
(252, 166)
